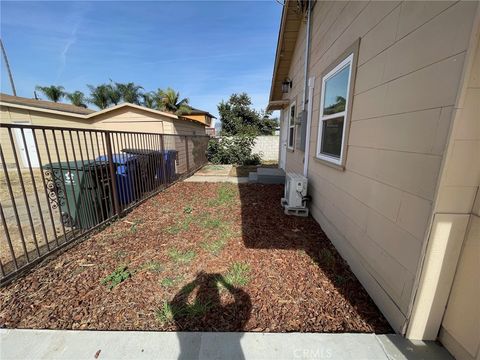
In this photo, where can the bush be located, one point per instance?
(233, 150)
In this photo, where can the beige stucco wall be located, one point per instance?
(377, 211)
(459, 194)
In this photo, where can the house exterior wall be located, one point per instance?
(460, 193)
(377, 210)
(459, 196)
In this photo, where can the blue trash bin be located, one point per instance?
(169, 158)
(127, 176)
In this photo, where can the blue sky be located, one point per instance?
(205, 50)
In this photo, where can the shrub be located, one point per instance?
(233, 150)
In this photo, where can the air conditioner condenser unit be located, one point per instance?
(295, 199)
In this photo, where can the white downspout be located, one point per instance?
(307, 87)
(311, 85)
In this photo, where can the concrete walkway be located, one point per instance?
(57, 344)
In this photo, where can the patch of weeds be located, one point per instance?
(166, 313)
(153, 266)
(167, 282)
(181, 256)
(213, 247)
(187, 210)
(120, 254)
(198, 308)
(134, 225)
(327, 258)
(179, 227)
(226, 194)
(118, 276)
(238, 274)
(211, 223)
(187, 289)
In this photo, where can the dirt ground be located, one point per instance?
(198, 257)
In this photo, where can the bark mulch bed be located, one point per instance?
(199, 256)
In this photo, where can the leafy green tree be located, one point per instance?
(129, 92)
(169, 100)
(100, 95)
(149, 100)
(77, 98)
(239, 118)
(52, 92)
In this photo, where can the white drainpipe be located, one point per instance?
(311, 85)
(307, 87)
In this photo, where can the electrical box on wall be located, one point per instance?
(302, 131)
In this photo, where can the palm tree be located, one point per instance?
(129, 92)
(100, 95)
(114, 94)
(77, 98)
(169, 100)
(52, 92)
(149, 100)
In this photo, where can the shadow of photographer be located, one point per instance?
(210, 303)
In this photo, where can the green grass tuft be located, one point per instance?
(153, 266)
(179, 256)
(226, 195)
(238, 274)
(214, 247)
(168, 312)
(118, 276)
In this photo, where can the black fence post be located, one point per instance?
(111, 168)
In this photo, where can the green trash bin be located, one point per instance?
(81, 190)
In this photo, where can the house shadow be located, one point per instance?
(266, 226)
(210, 304)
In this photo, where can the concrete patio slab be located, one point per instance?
(215, 170)
(211, 178)
(61, 344)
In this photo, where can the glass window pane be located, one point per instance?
(290, 136)
(292, 115)
(332, 131)
(336, 89)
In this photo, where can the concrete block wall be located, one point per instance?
(267, 147)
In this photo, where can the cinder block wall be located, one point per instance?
(267, 147)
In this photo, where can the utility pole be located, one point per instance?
(8, 69)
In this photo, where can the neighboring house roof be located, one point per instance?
(195, 111)
(75, 111)
(41, 104)
(287, 38)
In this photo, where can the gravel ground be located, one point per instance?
(198, 257)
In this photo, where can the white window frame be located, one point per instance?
(348, 61)
(291, 125)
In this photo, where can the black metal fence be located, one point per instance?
(58, 184)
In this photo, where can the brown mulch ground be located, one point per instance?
(295, 280)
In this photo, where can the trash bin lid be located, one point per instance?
(120, 159)
(141, 151)
(69, 165)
